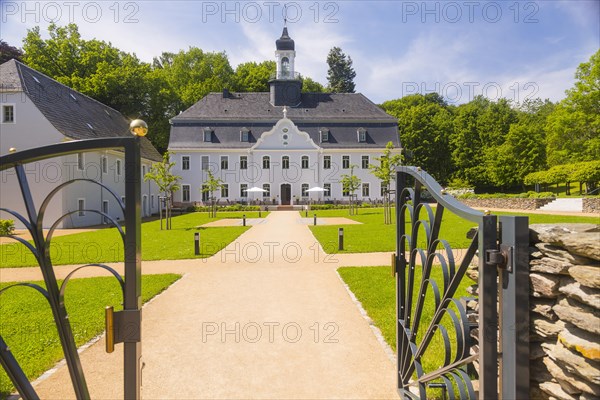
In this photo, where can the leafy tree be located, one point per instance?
(160, 106)
(311, 86)
(480, 128)
(8, 52)
(94, 68)
(350, 184)
(587, 172)
(167, 183)
(425, 126)
(194, 73)
(524, 147)
(340, 74)
(574, 126)
(386, 172)
(210, 186)
(253, 77)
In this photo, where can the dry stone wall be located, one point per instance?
(591, 204)
(507, 203)
(565, 311)
(564, 275)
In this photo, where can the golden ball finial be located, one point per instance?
(12, 150)
(487, 212)
(138, 127)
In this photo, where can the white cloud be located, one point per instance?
(431, 61)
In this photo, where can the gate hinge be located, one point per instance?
(502, 258)
(122, 327)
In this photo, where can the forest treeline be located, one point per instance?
(481, 144)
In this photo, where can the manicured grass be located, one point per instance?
(375, 288)
(374, 236)
(105, 245)
(27, 326)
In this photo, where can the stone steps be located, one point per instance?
(562, 204)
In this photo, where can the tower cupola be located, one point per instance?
(285, 86)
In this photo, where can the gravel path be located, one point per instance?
(266, 318)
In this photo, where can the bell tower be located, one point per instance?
(285, 55)
(286, 87)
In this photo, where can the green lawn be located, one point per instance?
(105, 245)
(375, 288)
(374, 236)
(27, 326)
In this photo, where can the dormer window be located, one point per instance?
(244, 134)
(362, 135)
(208, 135)
(324, 132)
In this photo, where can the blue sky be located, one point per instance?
(512, 49)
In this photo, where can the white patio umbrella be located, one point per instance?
(255, 189)
(316, 189)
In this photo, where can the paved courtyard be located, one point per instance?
(267, 317)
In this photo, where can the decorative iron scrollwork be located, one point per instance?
(430, 311)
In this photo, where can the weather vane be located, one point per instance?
(284, 15)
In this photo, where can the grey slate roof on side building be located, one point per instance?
(226, 114)
(73, 114)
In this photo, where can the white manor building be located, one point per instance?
(38, 111)
(284, 142)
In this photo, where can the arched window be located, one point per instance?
(285, 66)
(266, 162)
(304, 162)
(285, 162)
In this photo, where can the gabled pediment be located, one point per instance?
(285, 135)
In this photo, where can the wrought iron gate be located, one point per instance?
(126, 324)
(428, 309)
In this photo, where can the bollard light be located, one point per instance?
(315, 220)
(341, 239)
(244, 220)
(197, 243)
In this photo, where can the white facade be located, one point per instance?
(281, 156)
(29, 128)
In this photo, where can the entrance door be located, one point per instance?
(286, 194)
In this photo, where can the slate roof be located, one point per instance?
(342, 113)
(73, 114)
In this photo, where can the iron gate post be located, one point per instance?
(515, 309)
(488, 314)
(400, 266)
(133, 288)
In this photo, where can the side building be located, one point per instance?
(36, 111)
(283, 142)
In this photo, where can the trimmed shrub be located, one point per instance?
(7, 226)
(234, 207)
